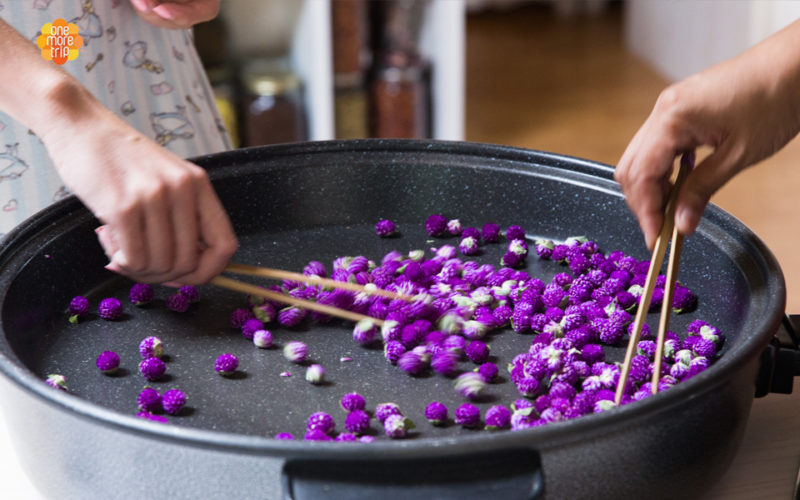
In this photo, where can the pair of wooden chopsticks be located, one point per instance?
(668, 230)
(266, 272)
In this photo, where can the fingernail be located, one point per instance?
(685, 219)
(119, 259)
(140, 5)
(164, 13)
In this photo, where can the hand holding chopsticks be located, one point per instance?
(668, 230)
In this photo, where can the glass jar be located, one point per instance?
(272, 109)
(399, 102)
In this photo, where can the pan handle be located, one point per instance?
(780, 361)
(503, 474)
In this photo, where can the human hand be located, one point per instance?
(745, 109)
(162, 219)
(176, 14)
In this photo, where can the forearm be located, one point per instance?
(39, 93)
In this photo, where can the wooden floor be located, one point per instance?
(569, 86)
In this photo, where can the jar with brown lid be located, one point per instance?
(272, 108)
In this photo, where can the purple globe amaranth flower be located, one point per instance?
(317, 435)
(683, 300)
(544, 249)
(470, 385)
(511, 259)
(262, 339)
(697, 365)
(285, 436)
(528, 386)
(392, 351)
(353, 401)
(519, 247)
(315, 268)
(468, 246)
(295, 351)
(226, 364)
(357, 422)
(141, 294)
(108, 362)
(445, 252)
(477, 351)
(78, 308)
(365, 332)
(385, 410)
(320, 421)
(239, 316)
(190, 293)
(385, 228)
(523, 419)
(454, 227)
(315, 374)
(173, 401)
(178, 302)
(474, 330)
(562, 390)
(345, 437)
(392, 328)
(646, 348)
(696, 325)
(497, 417)
(264, 312)
(445, 362)
(455, 343)
(412, 363)
(435, 225)
(711, 333)
(679, 371)
(436, 413)
(559, 253)
(291, 316)
(151, 347)
(250, 327)
(110, 309)
(149, 400)
(515, 233)
(579, 264)
(488, 372)
(397, 426)
(153, 418)
(471, 232)
(490, 233)
(467, 415)
(56, 381)
(152, 368)
(704, 347)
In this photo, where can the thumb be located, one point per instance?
(702, 182)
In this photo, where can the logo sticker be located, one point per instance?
(59, 41)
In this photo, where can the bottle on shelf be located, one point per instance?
(271, 108)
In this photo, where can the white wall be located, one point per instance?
(681, 37)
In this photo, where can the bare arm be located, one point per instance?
(163, 220)
(745, 108)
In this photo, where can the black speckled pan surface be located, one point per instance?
(318, 201)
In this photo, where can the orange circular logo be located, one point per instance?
(59, 41)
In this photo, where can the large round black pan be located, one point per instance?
(316, 201)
